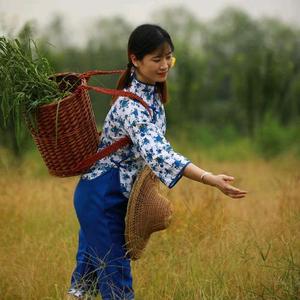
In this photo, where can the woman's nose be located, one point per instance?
(164, 64)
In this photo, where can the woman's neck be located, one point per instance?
(142, 79)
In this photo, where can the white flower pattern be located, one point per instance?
(129, 117)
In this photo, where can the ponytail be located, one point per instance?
(124, 80)
(163, 91)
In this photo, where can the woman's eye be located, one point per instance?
(156, 60)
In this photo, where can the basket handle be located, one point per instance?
(89, 74)
(114, 92)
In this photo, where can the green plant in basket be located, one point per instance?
(25, 82)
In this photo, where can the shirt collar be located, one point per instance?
(144, 90)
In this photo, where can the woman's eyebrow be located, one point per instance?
(160, 55)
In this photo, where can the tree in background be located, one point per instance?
(231, 72)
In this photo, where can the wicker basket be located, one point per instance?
(66, 131)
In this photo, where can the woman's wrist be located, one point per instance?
(193, 172)
(208, 178)
(203, 175)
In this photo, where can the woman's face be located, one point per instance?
(154, 67)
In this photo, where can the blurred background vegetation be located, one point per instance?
(234, 92)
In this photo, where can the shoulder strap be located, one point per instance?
(89, 161)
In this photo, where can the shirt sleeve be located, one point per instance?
(151, 143)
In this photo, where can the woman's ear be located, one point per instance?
(134, 60)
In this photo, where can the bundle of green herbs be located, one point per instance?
(24, 81)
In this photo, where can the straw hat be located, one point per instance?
(147, 211)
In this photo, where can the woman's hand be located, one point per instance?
(222, 182)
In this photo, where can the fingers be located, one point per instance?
(228, 189)
(237, 196)
(228, 178)
(234, 192)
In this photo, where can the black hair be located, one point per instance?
(146, 38)
(143, 40)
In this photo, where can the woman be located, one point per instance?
(102, 193)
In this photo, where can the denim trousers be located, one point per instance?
(102, 266)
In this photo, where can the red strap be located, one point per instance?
(89, 161)
(88, 74)
(116, 93)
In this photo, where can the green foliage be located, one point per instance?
(230, 73)
(24, 81)
(235, 68)
(272, 138)
(221, 144)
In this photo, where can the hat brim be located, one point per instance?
(135, 242)
(147, 212)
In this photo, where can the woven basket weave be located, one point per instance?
(148, 211)
(66, 131)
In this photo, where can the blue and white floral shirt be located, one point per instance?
(128, 117)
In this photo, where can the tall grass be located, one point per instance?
(216, 247)
(25, 83)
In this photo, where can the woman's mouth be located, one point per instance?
(163, 74)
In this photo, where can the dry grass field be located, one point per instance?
(216, 247)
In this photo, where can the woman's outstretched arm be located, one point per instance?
(222, 182)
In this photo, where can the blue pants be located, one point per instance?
(101, 262)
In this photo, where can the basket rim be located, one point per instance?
(83, 80)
